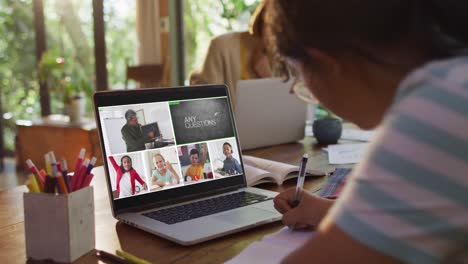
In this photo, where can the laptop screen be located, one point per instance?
(159, 146)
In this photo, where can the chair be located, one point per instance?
(148, 75)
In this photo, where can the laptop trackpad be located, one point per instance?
(245, 216)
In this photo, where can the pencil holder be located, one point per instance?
(59, 227)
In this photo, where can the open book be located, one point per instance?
(258, 170)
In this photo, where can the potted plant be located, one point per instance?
(67, 82)
(327, 127)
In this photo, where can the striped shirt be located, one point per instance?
(408, 198)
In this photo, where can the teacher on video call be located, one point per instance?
(132, 134)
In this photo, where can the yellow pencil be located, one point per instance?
(131, 257)
(32, 185)
(48, 164)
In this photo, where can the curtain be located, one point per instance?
(149, 32)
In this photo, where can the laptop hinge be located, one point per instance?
(156, 205)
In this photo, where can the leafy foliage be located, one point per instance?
(70, 36)
(19, 89)
(19, 86)
(65, 79)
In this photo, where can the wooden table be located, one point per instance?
(112, 235)
(36, 138)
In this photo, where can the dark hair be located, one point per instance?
(436, 27)
(121, 163)
(194, 151)
(129, 114)
(227, 144)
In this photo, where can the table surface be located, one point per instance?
(112, 235)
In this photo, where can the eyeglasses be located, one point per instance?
(302, 92)
(298, 86)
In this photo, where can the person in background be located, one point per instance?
(195, 171)
(236, 56)
(132, 134)
(126, 177)
(400, 65)
(230, 164)
(163, 173)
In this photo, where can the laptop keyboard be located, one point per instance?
(211, 206)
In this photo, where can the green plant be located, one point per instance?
(65, 78)
(322, 112)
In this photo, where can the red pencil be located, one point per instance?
(87, 181)
(79, 162)
(87, 172)
(78, 178)
(40, 180)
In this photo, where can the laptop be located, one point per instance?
(265, 107)
(153, 127)
(187, 210)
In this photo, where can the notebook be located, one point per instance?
(172, 190)
(267, 114)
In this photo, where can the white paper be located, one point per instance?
(357, 134)
(346, 153)
(272, 248)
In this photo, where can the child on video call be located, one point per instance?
(163, 172)
(126, 176)
(195, 171)
(231, 165)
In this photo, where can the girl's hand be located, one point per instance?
(308, 213)
(169, 166)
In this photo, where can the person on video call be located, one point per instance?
(236, 56)
(230, 165)
(401, 66)
(195, 171)
(163, 173)
(126, 177)
(132, 134)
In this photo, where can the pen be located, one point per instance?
(65, 174)
(86, 174)
(48, 166)
(35, 171)
(79, 161)
(53, 163)
(133, 259)
(43, 173)
(87, 181)
(58, 182)
(50, 183)
(91, 165)
(31, 183)
(59, 167)
(77, 178)
(300, 181)
(62, 176)
(111, 257)
(61, 183)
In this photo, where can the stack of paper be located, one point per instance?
(346, 153)
(357, 134)
(272, 248)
